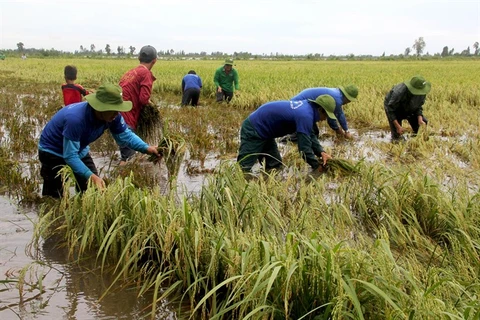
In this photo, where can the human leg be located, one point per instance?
(126, 153)
(195, 97)
(185, 98)
(52, 181)
(413, 121)
(273, 159)
(82, 183)
(251, 145)
(228, 96)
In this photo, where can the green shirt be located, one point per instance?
(226, 81)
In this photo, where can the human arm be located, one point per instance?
(131, 140)
(342, 120)
(71, 154)
(216, 80)
(393, 100)
(146, 84)
(183, 85)
(235, 79)
(310, 148)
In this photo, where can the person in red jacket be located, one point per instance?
(137, 86)
(72, 92)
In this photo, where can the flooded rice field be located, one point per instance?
(387, 230)
(48, 285)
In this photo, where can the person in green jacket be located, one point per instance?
(226, 81)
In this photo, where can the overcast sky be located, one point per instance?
(336, 27)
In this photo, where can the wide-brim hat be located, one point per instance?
(327, 103)
(418, 85)
(229, 61)
(108, 97)
(350, 91)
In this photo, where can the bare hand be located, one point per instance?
(154, 151)
(325, 157)
(97, 181)
(400, 130)
(348, 135)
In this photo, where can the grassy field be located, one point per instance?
(397, 237)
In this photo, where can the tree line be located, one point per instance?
(415, 51)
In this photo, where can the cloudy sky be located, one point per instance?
(336, 27)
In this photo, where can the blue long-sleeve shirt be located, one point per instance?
(71, 130)
(278, 118)
(313, 93)
(191, 81)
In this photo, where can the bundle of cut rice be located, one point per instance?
(341, 166)
(149, 125)
(172, 150)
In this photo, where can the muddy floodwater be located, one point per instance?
(54, 287)
(67, 290)
(46, 284)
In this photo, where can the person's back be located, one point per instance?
(342, 96)
(137, 86)
(191, 86)
(72, 92)
(278, 118)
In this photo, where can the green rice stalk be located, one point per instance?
(172, 149)
(341, 166)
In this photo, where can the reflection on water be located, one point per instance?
(53, 287)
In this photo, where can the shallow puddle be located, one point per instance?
(52, 287)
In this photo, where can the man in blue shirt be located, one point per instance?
(66, 137)
(191, 85)
(342, 95)
(279, 118)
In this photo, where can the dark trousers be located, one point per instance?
(191, 96)
(412, 120)
(224, 95)
(253, 148)
(126, 152)
(52, 181)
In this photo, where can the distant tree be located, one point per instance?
(466, 52)
(132, 50)
(419, 45)
(108, 49)
(450, 53)
(444, 51)
(120, 50)
(407, 51)
(81, 48)
(172, 51)
(92, 47)
(475, 46)
(20, 46)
